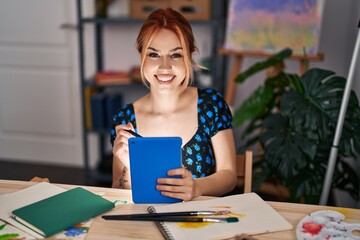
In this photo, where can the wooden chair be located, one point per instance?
(244, 167)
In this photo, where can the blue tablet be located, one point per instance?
(150, 159)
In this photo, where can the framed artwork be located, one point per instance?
(271, 25)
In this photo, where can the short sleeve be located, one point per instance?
(123, 116)
(216, 111)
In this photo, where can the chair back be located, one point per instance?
(244, 167)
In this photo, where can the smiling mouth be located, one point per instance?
(165, 78)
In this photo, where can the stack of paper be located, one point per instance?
(51, 209)
(25, 197)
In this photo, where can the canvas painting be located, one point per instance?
(271, 25)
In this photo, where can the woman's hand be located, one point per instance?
(121, 148)
(182, 188)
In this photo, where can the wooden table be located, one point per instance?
(101, 229)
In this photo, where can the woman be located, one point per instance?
(173, 108)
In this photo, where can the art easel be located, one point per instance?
(237, 57)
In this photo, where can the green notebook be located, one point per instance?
(56, 213)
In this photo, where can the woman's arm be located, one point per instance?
(121, 175)
(217, 184)
(224, 179)
(121, 162)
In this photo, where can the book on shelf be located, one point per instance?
(58, 212)
(98, 114)
(254, 214)
(112, 77)
(103, 108)
(88, 91)
(113, 102)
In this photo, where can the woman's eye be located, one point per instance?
(176, 55)
(153, 55)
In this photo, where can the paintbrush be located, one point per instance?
(166, 214)
(176, 219)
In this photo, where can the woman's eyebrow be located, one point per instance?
(171, 50)
(175, 49)
(153, 49)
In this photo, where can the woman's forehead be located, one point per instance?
(165, 40)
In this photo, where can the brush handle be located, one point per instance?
(173, 219)
(157, 219)
(165, 214)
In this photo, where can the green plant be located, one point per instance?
(294, 120)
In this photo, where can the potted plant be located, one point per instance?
(294, 119)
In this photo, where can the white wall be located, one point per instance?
(39, 87)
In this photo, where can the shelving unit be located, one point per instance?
(217, 24)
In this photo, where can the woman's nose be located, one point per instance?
(165, 63)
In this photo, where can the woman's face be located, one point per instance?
(164, 66)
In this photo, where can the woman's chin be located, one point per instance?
(165, 89)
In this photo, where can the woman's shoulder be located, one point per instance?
(214, 112)
(126, 108)
(124, 112)
(209, 94)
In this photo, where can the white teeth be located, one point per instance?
(164, 78)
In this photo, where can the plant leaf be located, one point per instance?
(315, 112)
(254, 106)
(259, 66)
(296, 124)
(285, 150)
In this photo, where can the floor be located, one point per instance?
(11, 170)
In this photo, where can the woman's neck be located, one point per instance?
(166, 104)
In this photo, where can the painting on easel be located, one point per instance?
(271, 25)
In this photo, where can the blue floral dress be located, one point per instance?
(197, 154)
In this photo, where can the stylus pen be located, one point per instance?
(133, 133)
(167, 214)
(179, 219)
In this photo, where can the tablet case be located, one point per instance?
(150, 159)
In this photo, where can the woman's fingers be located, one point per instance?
(183, 196)
(122, 136)
(181, 192)
(121, 148)
(182, 188)
(120, 130)
(179, 171)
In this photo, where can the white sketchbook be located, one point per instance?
(254, 214)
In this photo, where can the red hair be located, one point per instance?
(172, 20)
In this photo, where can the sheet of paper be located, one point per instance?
(76, 232)
(7, 231)
(12, 201)
(254, 214)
